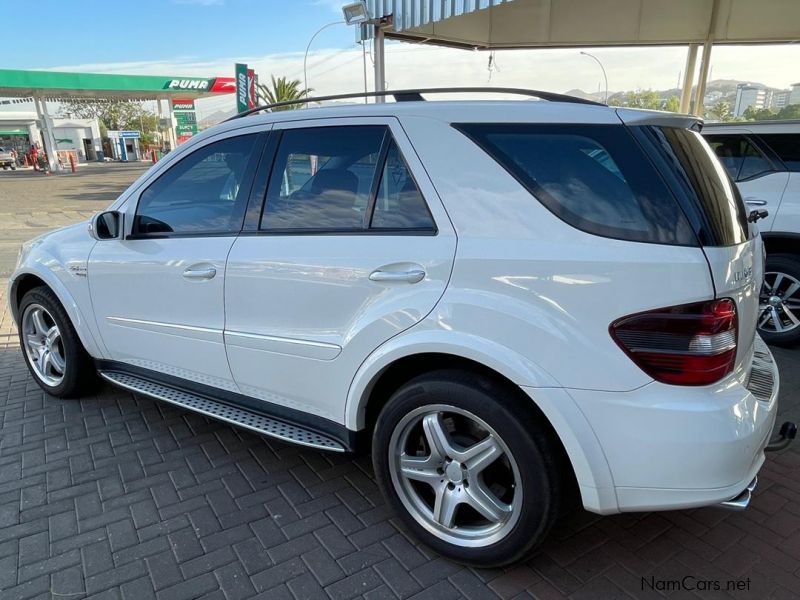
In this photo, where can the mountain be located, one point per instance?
(214, 118)
(718, 89)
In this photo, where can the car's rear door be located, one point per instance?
(732, 248)
(786, 147)
(761, 179)
(158, 293)
(352, 247)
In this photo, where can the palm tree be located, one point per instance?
(282, 90)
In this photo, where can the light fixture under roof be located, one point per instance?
(355, 13)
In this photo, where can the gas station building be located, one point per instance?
(82, 136)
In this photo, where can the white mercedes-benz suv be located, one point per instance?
(506, 302)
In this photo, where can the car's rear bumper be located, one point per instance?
(670, 447)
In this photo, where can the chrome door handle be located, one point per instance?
(200, 273)
(755, 202)
(414, 276)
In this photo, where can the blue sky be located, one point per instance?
(83, 30)
(204, 38)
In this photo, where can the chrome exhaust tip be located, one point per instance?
(742, 501)
(785, 437)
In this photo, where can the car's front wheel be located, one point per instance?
(467, 466)
(779, 303)
(53, 351)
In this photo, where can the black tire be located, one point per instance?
(789, 265)
(13, 167)
(80, 375)
(530, 442)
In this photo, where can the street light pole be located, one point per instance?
(305, 56)
(602, 68)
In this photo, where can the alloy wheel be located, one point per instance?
(455, 475)
(43, 345)
(779, 303)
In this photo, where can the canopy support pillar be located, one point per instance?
(43, 116)
(688, 78)
(173, 137)
(380, 63)
(705, 65)
(705, 61)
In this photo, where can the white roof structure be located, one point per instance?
(494, 24)
(499, 24)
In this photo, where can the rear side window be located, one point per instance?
(322, 178)
(740, 157)
(594, 177)
(703, 180)
(343, 179)
(787, 147)
(399, 203)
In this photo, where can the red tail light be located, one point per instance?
(691, 344)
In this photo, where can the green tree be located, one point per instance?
(751, 113)
(282, 90)
(721, 111)
(789, 112)
(638, 99)
(114, 114)
(672, 104)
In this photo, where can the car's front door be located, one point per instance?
(352, 247)
(158, 293)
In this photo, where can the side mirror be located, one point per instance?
(106, 225)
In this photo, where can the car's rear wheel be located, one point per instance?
(467, 467)
(53, 351)
(779, 303)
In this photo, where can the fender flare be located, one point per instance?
(79, 322)
(574, 431)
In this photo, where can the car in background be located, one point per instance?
(7, 159)
(763, 158)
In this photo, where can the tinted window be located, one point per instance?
(206, 192)
(704, 180)
(594, 177)
(787, 147)
(399, 203)
(754, 163)
(322, 178)
(740, 157)
(729, 150)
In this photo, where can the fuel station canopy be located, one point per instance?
(43, 86)
(59, 85)
(500, 24)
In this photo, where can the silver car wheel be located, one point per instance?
(779, 303)
(455, 475)
(44, 347)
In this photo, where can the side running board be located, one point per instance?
(224, 412)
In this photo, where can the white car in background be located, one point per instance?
(7, 159)
(763, 158)
(506, 303)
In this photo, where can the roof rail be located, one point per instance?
(415, 95)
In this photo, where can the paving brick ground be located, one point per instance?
(119, 497)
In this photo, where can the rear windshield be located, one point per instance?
(594, 177)
(705, 181)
